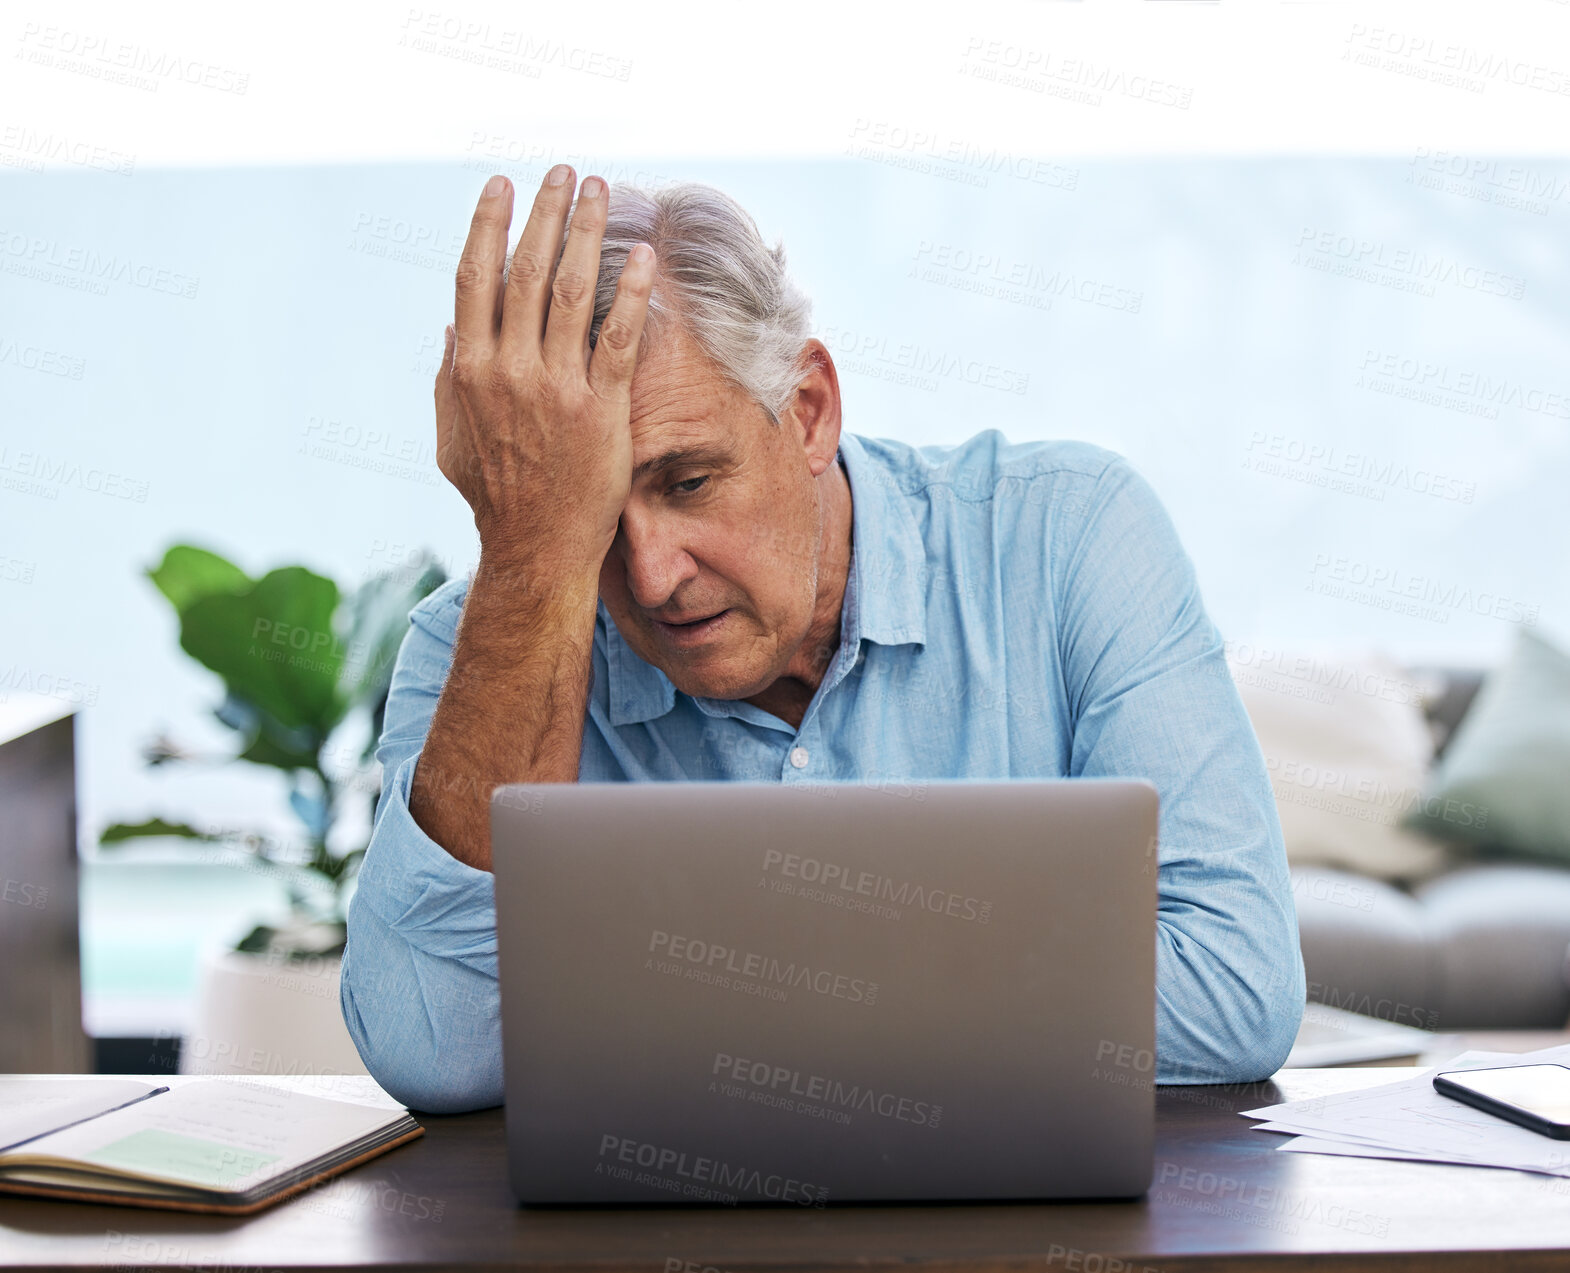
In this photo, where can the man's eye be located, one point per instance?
(690, 486)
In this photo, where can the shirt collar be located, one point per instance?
(888, 566)
(885, 600)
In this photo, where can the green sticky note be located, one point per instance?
(188, 1159)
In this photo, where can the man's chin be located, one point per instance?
(706, 676)
(712, 672)
(713, 669)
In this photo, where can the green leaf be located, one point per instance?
(119, 832)
(257, 940)
(263, 750)
(188, 573)
(378, 619)
(345, 868)
(275, 647)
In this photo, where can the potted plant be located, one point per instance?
(303, 665)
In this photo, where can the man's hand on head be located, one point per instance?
(531, 426)
(535, 434)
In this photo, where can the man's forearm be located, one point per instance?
(513, 704)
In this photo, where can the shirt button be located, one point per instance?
(799, 757)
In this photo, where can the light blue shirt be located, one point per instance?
(1021, 611)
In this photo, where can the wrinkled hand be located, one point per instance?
(530, 428)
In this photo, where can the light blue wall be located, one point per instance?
(303, 333)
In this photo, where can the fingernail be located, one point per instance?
(495, 186)
(593, 188)
(447, 344)
(641, 253)
(557, 175)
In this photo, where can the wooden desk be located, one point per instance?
(1222, 1199)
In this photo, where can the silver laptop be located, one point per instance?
(724, 992)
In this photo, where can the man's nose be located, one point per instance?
(655, 560)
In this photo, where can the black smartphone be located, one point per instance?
(1535, 1096)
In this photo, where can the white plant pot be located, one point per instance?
(261, 1015)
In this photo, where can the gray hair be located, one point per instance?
(717, 279)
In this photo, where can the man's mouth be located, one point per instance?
(691, 630)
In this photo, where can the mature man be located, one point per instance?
(688, 571)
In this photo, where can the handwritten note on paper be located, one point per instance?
(217, 1134)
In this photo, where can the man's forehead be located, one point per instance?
(681, 401)
(674, 378)
(672, 439)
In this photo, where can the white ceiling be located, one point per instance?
(333, 82)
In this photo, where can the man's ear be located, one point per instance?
(814, 413)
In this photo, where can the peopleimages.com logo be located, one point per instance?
(787, 1081)
(697, 1175)
(715, 959)
(884, 888)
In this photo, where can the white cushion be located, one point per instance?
(1347, 748)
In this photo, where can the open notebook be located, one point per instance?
(209, 1144)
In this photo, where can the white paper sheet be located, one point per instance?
(358, 1089)
(33, 1104)
(1346, 1149)
(1408, 1119)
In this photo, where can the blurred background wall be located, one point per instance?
(1318, 294)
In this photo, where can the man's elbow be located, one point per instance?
(400, 1046)
(1251, 1051)
(1243, 1033)
(1279, 1018)
(1278, 1006)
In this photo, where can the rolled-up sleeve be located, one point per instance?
(1150, 697)
(419, 989)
